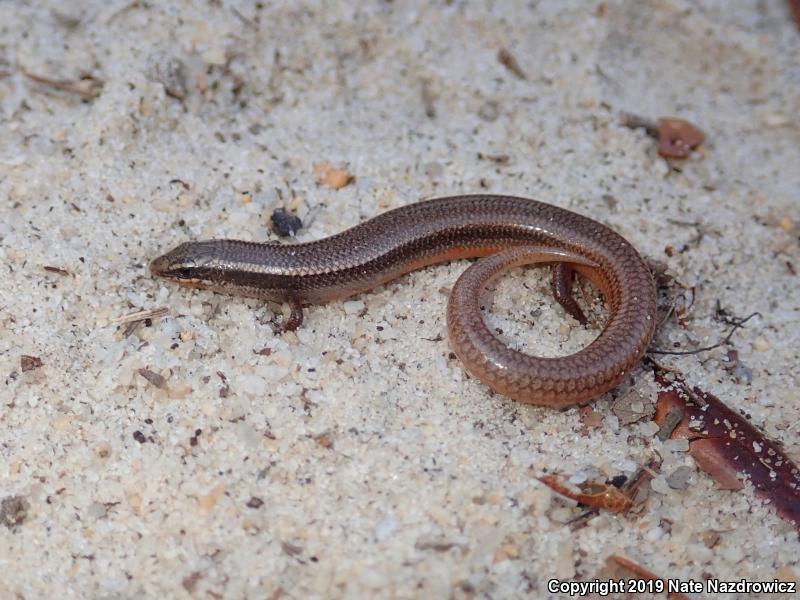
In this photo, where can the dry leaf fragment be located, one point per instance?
(331, 176)
(632, 406)
(507, 59)
(155, 378)
(590, 419)
(677, 138)
(13, 511)
(29, 363)
(591, 494)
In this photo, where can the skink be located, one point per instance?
(507, 231)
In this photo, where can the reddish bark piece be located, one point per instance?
(677, 138)
(729, 448)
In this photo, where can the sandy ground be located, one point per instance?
(354, 458)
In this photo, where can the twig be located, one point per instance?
(736, 325)
(141, 315)
(88, 88)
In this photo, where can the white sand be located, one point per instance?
(381, 468)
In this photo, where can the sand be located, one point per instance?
(199, 454)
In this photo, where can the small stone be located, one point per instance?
(699, 553)
(353, 307)
(677, 445)
(761, 345)
(786, 224)
(654, 534)
(659, 484)
(679, 478)
(489, 111)
(776, 120)
(385, 529)
(247, 435)
(96, 510)
(733, 553)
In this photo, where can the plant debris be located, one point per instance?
(141, 315)
(509, 62)
(13, 511)
(633, 406)
(29, 363)
(677, 138)
(592, 494)
(727, 447)
(332, 177)
(56, 270)
(87, 87)
(427, 99)
(154, 378)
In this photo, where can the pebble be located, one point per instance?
(733, 553)
(353, 307)
(385, 529)
(677, 445)
(659, 484)
(761, 345)
(679, 478)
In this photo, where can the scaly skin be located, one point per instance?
(508, 231)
